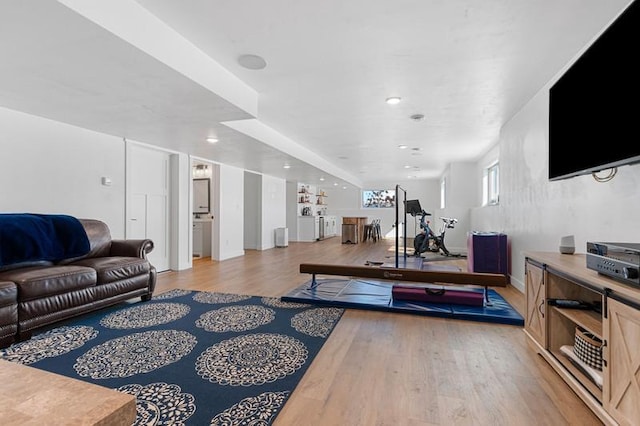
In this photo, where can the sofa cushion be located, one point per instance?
(8, 294)
(112, 269)
(43, 281)
(8, 313)
(25, 265)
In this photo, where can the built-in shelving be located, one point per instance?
(306, 200)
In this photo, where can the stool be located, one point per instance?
(372, 230)
(377, 232)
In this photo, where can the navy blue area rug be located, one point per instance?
(377, 295)
(190, 358)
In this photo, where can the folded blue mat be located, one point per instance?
(27, 237)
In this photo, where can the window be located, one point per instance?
(491, 185)
(378, 198)
(443, 193)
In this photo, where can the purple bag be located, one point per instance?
(439, 294)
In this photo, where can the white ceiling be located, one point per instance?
(165, 72)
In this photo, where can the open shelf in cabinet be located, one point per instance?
(589, 320)
(562, 323)
(562, 328)
(576, 372)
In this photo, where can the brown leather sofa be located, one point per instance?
(41, 293)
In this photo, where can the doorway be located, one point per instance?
(202, 208)
(147, 207)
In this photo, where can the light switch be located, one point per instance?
(106, 181)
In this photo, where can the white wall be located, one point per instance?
(181, 232)
(51, 167)
(536, 213)
(230, 199)
(274, 210)
(460, 197)
(292, 209)
(252, 211)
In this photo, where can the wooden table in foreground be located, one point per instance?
(29, 396)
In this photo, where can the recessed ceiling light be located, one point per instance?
(286, 166)
(402, 147)
(407, 166)
(394, 100)
(335, 184)
(252, 62)
(321, 179)
(417, 117)
(344, 187)
(212, 140)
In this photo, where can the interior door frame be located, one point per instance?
(129, 194)
(214, 207)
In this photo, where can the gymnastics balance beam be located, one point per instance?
(411, 275)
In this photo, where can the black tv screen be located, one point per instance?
(413, 207)
(594, 108)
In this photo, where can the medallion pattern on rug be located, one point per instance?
(236, 318)
(189, 358)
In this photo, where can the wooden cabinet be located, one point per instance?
(614, 394)
(535, 324)
(622, 384)
(359, 222)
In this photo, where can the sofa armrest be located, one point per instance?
(131, 248)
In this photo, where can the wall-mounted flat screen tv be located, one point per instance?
(594, 107)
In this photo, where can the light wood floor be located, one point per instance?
(380, 368)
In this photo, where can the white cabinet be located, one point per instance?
(308, 228)
(201, 238)
(330, 226)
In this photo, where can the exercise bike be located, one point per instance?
(427, 240)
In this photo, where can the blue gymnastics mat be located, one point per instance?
(376, 295)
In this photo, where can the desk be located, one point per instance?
(29, 396)
(359, 222)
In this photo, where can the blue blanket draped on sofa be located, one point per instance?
(27, 237)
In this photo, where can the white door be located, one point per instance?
(148, 200)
